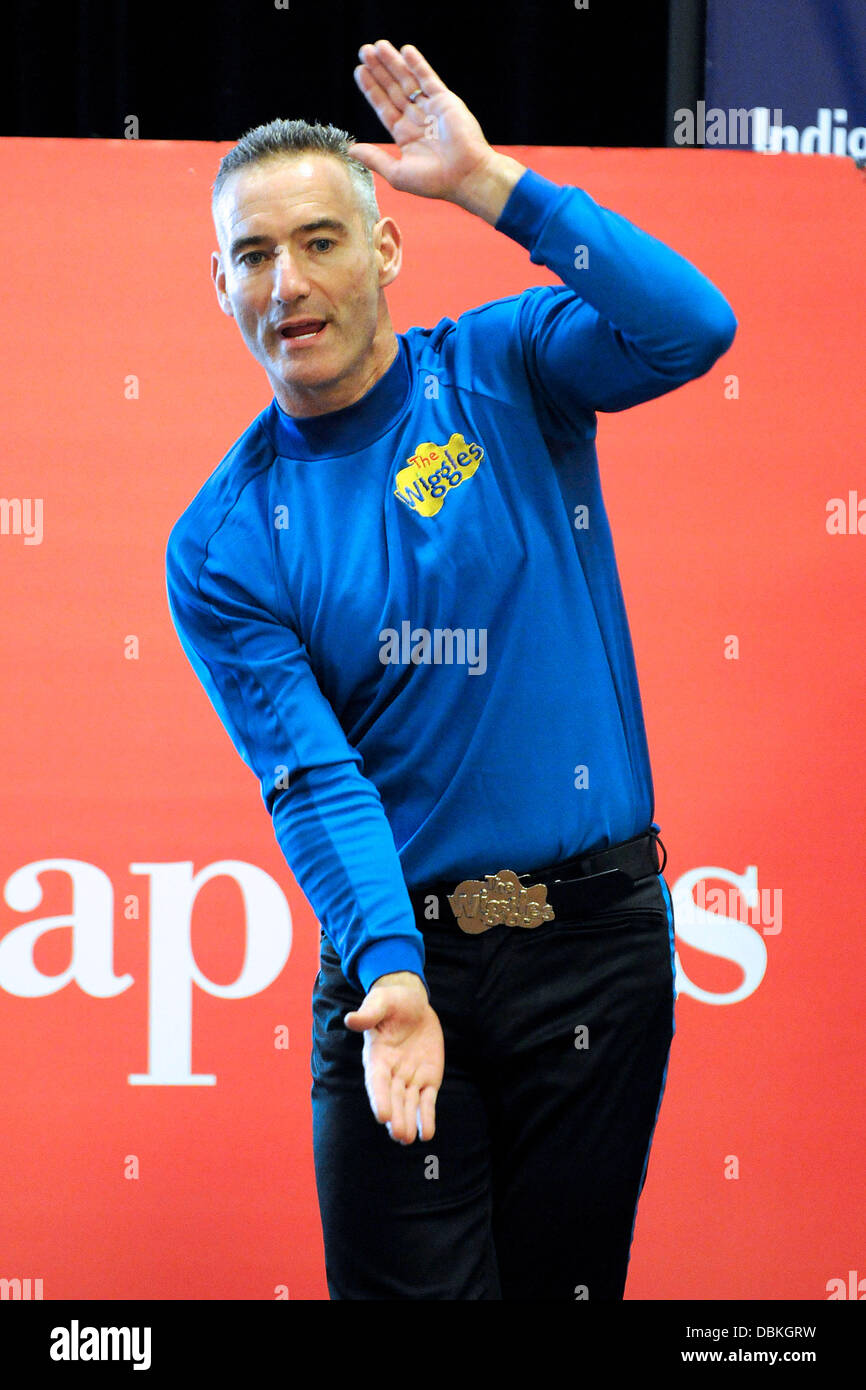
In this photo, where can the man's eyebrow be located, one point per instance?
(321, 223)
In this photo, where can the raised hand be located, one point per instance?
(442, 149)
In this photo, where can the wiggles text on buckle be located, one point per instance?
(499, 899)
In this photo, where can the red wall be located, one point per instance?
(112, 760)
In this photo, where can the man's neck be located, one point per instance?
(305, 402)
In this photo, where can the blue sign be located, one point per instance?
(782, 75)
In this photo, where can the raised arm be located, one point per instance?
(632, 319)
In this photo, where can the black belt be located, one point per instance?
(592, 880)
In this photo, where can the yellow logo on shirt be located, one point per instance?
(433, 470)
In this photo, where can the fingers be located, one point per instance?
(416, 1111)
(427, 1113)
(388, 78)
(376, 160)
(402, 1126)
(393, 1102)
(371, 1012)
(429, 81)
(407, 1111)
(410, 1114)
(379, 1089)
(378, 96)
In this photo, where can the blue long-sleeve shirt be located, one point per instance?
(459, 497)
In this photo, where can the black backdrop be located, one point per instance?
(533, 72)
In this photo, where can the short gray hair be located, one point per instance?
(281, 137)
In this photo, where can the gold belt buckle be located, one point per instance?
(500, 899)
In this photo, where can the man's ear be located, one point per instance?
(388, 241)
(219, 278)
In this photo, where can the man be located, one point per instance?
(400, 593)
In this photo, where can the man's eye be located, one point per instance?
(245, 257)
(322, 241)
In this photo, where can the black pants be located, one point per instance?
(556, 1049)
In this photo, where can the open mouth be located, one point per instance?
(302, 332)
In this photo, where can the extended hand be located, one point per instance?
(443, 151)
(404, 1055)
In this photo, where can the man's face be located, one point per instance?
(295, 259)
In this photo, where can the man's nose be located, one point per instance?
(289, 280)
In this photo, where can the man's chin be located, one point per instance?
(308, 364)
(299, 386)
(310, 375)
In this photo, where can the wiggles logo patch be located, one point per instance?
(433, 470)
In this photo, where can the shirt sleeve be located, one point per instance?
(632, 319)
(328, 817)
